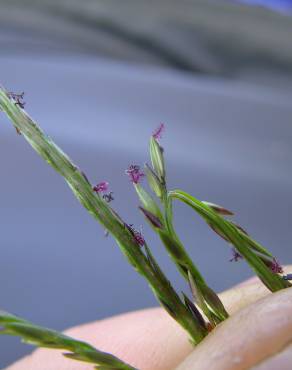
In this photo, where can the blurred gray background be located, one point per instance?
(99, 77)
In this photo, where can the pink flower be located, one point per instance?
(276, 267)
(135, 174)
(102, 187)
(138, 237)
(158, 132)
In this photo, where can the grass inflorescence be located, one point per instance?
(198, 314)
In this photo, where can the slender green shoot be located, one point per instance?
(257, 257)
(47, 338)
(97, 206)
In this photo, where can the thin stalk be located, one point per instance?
(210, 302)
(178, 251)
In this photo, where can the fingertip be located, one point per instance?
(246, 293)
(147, 339)
(249, 337)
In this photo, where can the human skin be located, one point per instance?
(257, 335)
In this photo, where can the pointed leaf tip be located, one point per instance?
(154, 221)
(157, 159)
(219, 209)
